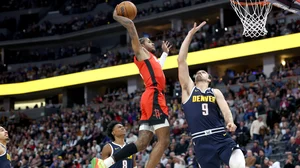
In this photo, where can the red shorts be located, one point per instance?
(153, 107)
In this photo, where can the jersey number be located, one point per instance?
(124, 163)
(205, 109)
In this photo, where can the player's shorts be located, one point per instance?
(152, 128)
(153, 107)
(213, 149)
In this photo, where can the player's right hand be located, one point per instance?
(115, 15)
(196, 28)
(231, 127)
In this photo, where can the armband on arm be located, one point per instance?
(163, 58)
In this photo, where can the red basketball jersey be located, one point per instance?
(151, 72)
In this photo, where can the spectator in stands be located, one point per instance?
(291, 147)
(260, 159)
(286, 137)
(255, 149)
(289, 163)
(297, 138)
(131, 138)
(242, 134)
(255, 129)
(181, 147)
(267, 148)
(250, 159)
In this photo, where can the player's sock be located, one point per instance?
(125, 152)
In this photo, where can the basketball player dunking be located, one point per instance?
(116, 133)
(4, 156)
(203, 107)
(154, 118)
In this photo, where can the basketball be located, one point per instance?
(127, 9)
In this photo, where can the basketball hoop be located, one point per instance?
(253, 15)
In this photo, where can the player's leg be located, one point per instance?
(237, 159)
(161, 126)
(145, 136)
(206, 153)
(231, 154)
(162, 132)
(146, 133)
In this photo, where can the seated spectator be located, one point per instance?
(297, 139)
(287, 136)
(131, 138)
(291, 147)
(289, 163)
(255, 149)
(250, 159)
(242, 134)
(260, 159)
(267, 148)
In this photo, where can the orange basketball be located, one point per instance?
(127, 9)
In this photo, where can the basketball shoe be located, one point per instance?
(98, 163)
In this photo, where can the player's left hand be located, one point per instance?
(231, 127)
(166, 46)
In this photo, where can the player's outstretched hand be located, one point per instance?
(196, 28)
(231, 127)
(121, 19)
(166, 46)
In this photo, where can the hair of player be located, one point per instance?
(110, 128)
(142, 40)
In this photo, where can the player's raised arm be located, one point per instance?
(183, 71)
(225, 110)
(129, 25)
(166, 48)
(106, 151)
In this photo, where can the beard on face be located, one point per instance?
(199, 79)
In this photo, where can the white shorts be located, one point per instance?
(152, 128)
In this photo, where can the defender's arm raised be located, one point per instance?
(183, 71)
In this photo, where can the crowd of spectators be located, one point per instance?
(14, 5)
(267, 115)
(203, 40)
(47, 28)
(80, 6)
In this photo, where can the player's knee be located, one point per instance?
(237, 159)
(165, 142)
(141, 144)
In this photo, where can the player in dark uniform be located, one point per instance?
(154, 118)
(4, 156)
(117, 132)
(204, 109)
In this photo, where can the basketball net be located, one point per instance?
(253, 15)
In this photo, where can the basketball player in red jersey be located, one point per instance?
(154, 119)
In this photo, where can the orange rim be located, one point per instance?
(250, 3)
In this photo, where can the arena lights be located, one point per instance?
(194, 58)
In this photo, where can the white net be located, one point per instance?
(253, 15)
